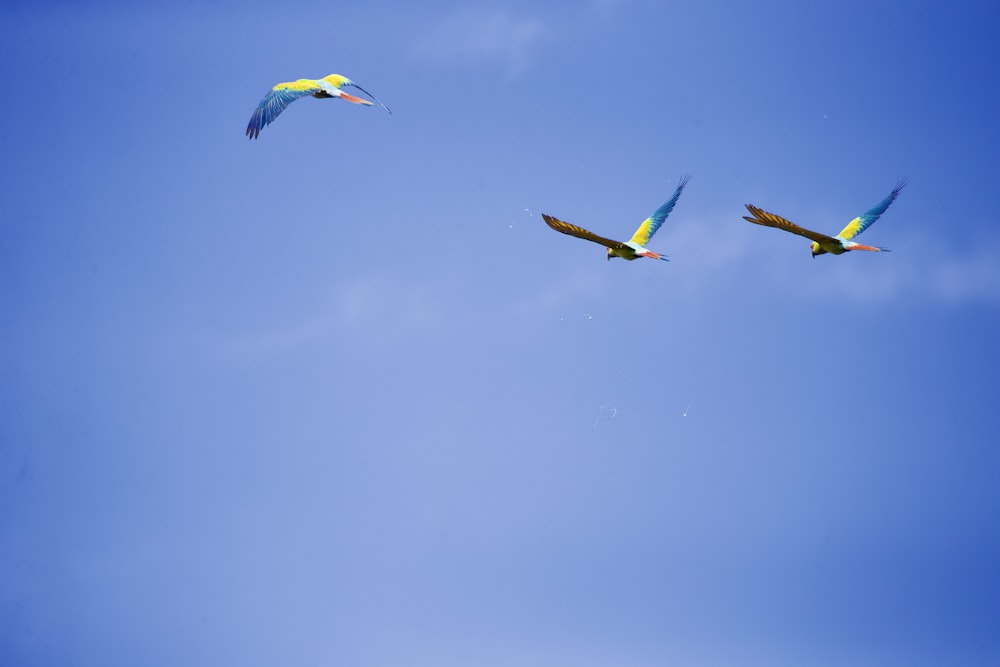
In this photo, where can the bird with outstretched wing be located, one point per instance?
(283, 94)
(634, 247)
(821, 243)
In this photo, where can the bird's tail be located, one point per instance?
(653, 255)
(355, 100)
(373, 97)
(872, 248)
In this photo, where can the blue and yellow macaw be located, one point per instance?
(285, 93)
(821, 243)
(634, 247)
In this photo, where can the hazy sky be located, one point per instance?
(338, 396)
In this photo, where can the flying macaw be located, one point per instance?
(285, 93)
(821, 243)
(634, 247)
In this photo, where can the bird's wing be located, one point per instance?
(761, 217)
(339, 81)
(579, 232)
(276, 101)
(861, 223)
(653, 222)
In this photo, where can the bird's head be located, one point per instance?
(611, 253)
(816, 250)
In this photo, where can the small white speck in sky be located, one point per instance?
(524, 212)
(605, 413)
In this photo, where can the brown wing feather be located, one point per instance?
(579, 232)
(762, 217)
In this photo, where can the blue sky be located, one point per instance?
(338, 395)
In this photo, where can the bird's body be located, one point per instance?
(634, 247)
(283, 94)
(821, 243)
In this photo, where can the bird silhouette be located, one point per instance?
(821, 243)
(283, 94)
(634, 247)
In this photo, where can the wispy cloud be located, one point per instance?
(481, 35)
(973, 277)
(380, 307)
(916, 270)
(558, 295)
(711, 249)
(370, 310)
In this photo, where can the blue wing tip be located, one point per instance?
(255, 126)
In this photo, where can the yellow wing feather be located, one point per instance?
(338, 80)
(863, 222)
(299, 86)
(853, 228)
